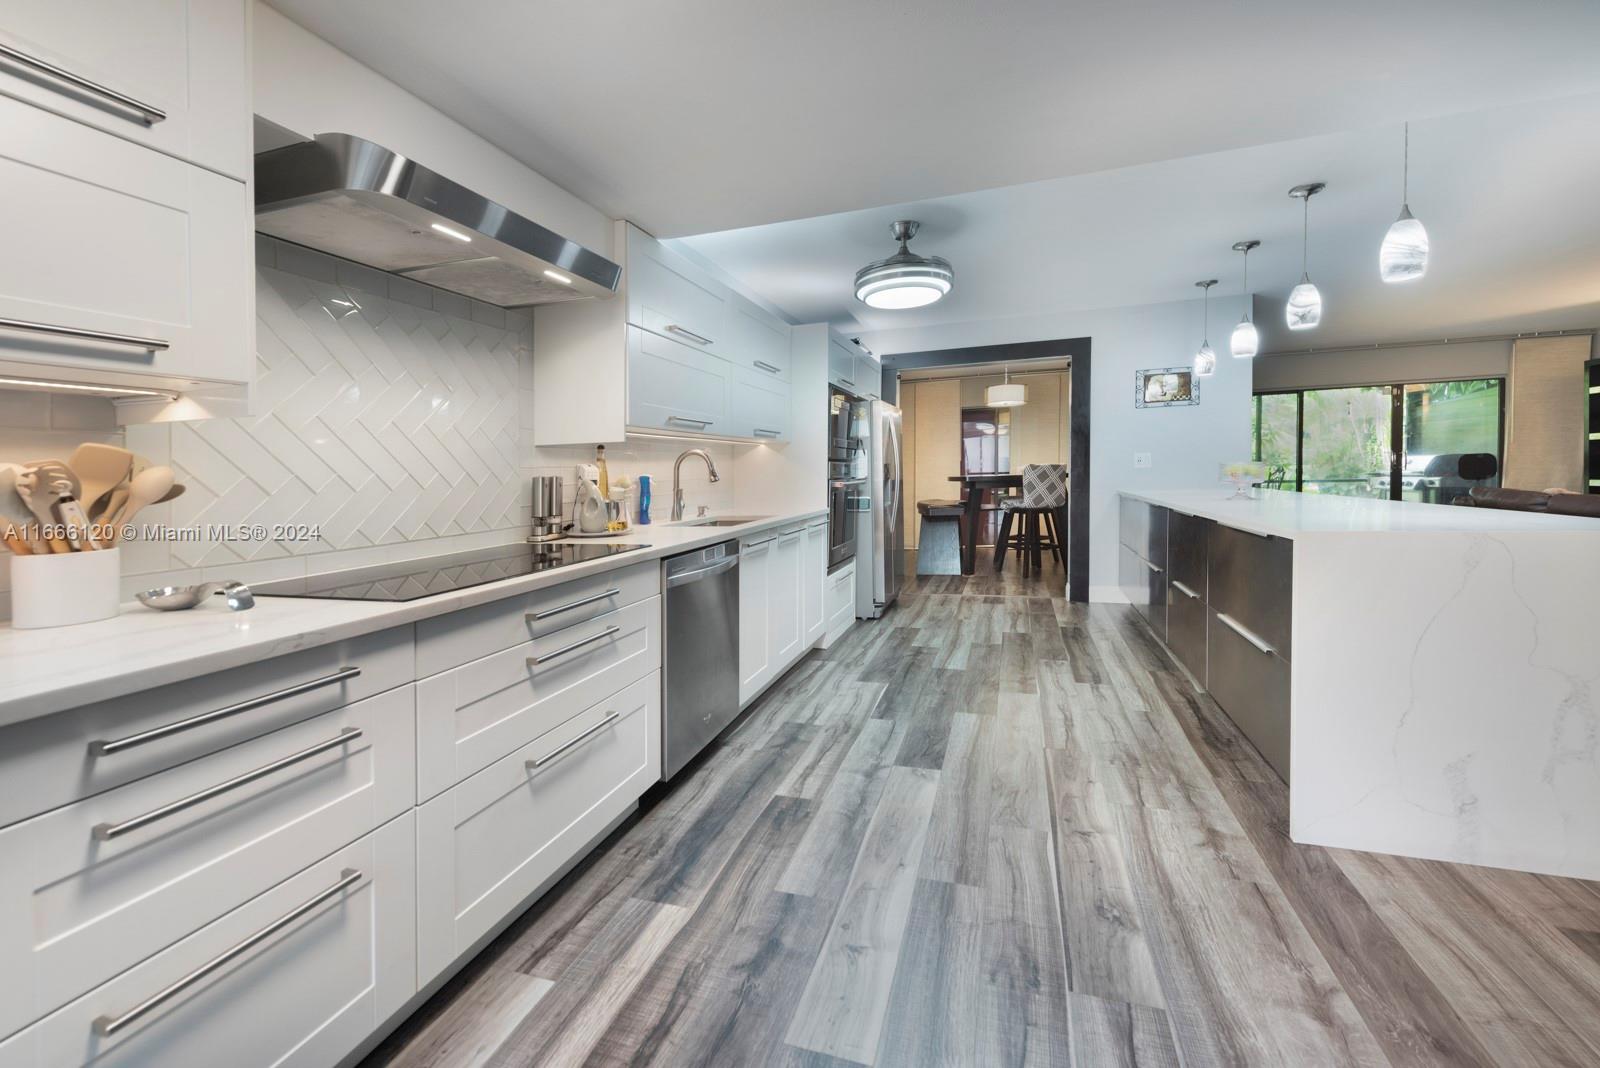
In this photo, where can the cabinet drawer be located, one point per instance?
(157, 253)
(477, 713)
(188, 61)
(1187, 538)
(1132, 576)
(760, 406)
(670, 296)
(501, 835)
(1252, 580)
(339, 957)
(58, 759)
(1186, 629)
(1252, 687)
(1133, 524)
(1155, 549)
(93, 888)
(444, 642)
(674, 387)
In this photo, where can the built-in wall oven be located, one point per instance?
(846, 475)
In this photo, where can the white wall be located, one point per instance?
(1186, 443)
(311, 87)
(1373, 366)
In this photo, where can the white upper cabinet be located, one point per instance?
(842, 365)
(670, 296)
(672, 386)
(759, 406)
(756, 339)
(122, 265)
(173, 75)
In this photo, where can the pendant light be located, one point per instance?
(1009, 394)
(1403, 256)
(1304, 310)
(1246, 340)
(904, 280)
(1205, 360)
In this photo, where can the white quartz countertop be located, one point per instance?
(1291, 515)
(47, 671)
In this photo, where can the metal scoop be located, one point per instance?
(176, 598)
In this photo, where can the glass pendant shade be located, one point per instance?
(1403, 256)
(1246, 340)
(1205, 361)
(1304, 310)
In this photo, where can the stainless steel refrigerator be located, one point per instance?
(880, 553)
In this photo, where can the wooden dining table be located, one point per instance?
(972, 520)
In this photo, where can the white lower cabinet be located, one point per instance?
(840, 598)
(499, 836)
(783, 610)
(297, 977)
(755, 592)
(813, 579)
(780, 592)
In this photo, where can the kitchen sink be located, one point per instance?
(722, 521)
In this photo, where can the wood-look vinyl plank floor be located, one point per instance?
(996, 828)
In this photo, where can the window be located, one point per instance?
(1343, 441)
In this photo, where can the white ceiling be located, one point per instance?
(707, 115)
(1509, 198)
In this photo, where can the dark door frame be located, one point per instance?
(1077, 350)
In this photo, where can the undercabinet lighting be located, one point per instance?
(79, 387)
(446, 231)
(557, 276)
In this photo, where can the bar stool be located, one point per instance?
(1042, 506)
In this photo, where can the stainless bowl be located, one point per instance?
(177, 598)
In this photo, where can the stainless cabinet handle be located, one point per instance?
(536, 762)
(110, 1025)
(154, 733)
(1235, 626)
(570, 605)
(698, 339)
(1154, 569)
(765, 366)
(847, 381)
(758, 544)
(763, 432)
(535, 661)
(686, 419)
(150, 112)
(107, 831)
(1185, 590)
(131, 340)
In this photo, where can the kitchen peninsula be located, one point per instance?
(1423, 676)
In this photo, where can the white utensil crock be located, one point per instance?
(60, 589)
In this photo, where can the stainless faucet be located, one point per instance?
(677, 490)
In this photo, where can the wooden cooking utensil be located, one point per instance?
(40, 495)
(14, 514)
(147, 487)
(100, 469)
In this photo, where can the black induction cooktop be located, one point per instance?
(408, 580)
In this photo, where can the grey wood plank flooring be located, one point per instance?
(993, 829)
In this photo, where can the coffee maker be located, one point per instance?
(546, 508)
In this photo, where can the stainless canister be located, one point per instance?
(546, 508)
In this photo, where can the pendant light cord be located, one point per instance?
(1247, 308)
(1305, 231)
(1205, 313)
(1405, 166)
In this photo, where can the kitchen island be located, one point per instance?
(1423, 676)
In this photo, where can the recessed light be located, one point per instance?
(79, 387)
(446, 231)
(557, 276)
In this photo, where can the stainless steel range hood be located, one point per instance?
(352, 198)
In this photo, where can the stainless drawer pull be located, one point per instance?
(131, 340)
(765, 366)
(151, 113)
(1239, 629)
(1153, 568)
(847, 381)
(758, 544)
(110, 1025)
(698, 339)
(1185, 590)
(685, 419)
(579, 603)
(611, 717)
(107, 831)
(763, 432)
(154, 733)
(535, 661)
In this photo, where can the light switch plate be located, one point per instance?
(1141, 459)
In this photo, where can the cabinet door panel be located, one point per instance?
(755, 597)
(842, 365)
(1186, 629)
(1187, 538)
(813, 576)
(756, 340)
(674, 387)
(784, 606)
(1252, 580)
(1253, 689)
(670, 296)
(759, 406)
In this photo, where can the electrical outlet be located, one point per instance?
(1141, 459)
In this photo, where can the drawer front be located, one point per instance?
(760, 406)
(92, 888)
(471, 716)
(1252, 580)
(669, 296)
(55, 760)
(1132, 576)
(1253, 689)
(756, 340)
(338, 959)
(674, 387)
(1134, 524)
(502, 834)
(1187, 538)
(444, 642)
(1186, 630)
(188, 61)
(158, 253)
(1155, 549)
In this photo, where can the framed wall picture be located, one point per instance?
(1162, 387)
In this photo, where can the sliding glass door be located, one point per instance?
(1395, 442)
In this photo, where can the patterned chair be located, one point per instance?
(1043, 511)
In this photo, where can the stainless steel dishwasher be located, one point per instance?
(700, 651)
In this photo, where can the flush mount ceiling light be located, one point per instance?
(1403, 256)
(1008, 394)
(1205, 359)
(1304, 310)
(904, 280)
(1246, 340)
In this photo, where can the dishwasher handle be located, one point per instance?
(686, 577)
